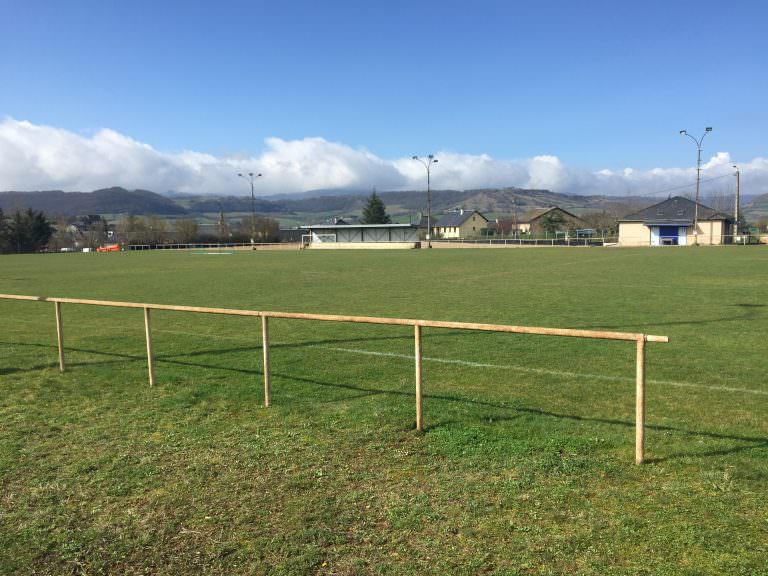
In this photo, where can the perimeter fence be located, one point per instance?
(639, 340)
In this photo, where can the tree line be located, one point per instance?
(133, 229)
(32, 231)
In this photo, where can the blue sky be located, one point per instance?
(598, 85)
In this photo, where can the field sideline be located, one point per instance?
(526, 464)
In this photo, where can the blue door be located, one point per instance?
(668, 235)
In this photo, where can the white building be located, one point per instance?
(360, 236)
(670, 223)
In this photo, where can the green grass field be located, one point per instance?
(525, 466)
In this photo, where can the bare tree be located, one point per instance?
(186, 230)
(260, 229)
(157, 229)
(132, 229)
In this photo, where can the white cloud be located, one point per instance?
(37, 157)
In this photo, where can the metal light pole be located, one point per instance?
(517, 231)
(736, 211)
(251, 177)
(428, 164)
(698, 181)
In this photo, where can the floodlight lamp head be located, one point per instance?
(709, 128)
(250, 173)
(683, 132)
(258, 175)
(414, 157)
(240, 174)
(434, 160)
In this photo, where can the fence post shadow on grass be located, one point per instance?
(360, 392)
(639, 339)
(748, 312)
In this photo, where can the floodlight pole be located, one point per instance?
(698, 181)
(428, 164)
(736, 210)
(250, 177)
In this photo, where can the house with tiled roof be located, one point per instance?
(460, 223)
(671, 223)
(552, 219)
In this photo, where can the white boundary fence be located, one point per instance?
(212, 246)
(639, 339)
(559, 241)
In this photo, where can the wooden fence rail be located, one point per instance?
(639, 339)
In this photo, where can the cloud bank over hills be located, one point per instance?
(39, 157)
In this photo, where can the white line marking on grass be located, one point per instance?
(544, 370)
(471, 364)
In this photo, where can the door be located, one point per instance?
(668, 235)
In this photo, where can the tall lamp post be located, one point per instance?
(428, 164)
(698, 180)
(251, 177)
(736, 211)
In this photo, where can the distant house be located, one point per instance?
(552, 219)
(671, 223)
(460, 224)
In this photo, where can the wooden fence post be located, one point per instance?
(150, 358)
(60, 335)
(265, 346)
(640, 402)
(417, 354)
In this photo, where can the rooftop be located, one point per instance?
(456, 218)
(675, 210)
(348, 226)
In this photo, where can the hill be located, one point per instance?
(757, 208)
(490, 201)
(306, 210)
(105, 201)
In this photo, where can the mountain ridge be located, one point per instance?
(310, 209)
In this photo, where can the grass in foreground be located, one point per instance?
(526, 464)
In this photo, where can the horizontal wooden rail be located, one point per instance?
(639, 339)
(599, 334)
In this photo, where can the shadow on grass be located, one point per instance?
(514, 412)
(749, 312)
(4, 371)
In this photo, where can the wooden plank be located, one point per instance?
(265, 346)
(150, 357)
(640, 403)
(170, 307)
(20, 297)
(60, 335)
(417, 355)
(603, 335)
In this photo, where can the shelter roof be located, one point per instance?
(674, 211)
(349, 226)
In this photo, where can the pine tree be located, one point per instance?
(375, 212)
(29, 231)
(3, 233)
